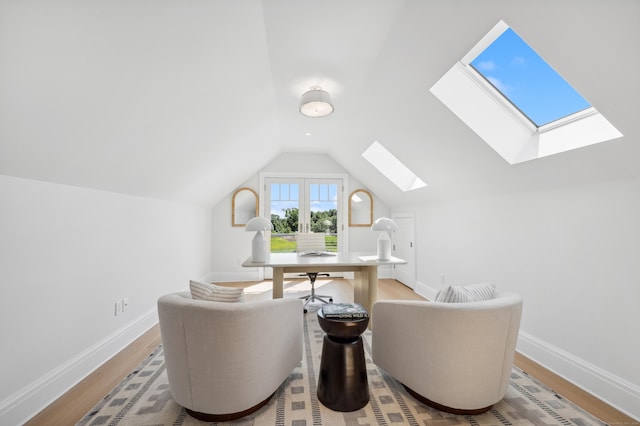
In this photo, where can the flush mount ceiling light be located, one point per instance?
(316, 103)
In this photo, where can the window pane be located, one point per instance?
(324, 192)
(275, 191)
(392, 168)
(515, 70)
(313, 192)
(333, 192)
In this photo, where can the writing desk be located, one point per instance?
(364, 266)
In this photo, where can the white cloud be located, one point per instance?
(486, 65)
(518, 60)
(498, 84)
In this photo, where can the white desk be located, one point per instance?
(364, 265)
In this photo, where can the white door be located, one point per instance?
(304, 205)
(404, 247)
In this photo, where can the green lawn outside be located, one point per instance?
(286, 245)
(281, 245)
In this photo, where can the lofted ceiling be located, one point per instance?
(185, 100)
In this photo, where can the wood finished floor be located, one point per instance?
(73, 405)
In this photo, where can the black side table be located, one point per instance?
(343, 385)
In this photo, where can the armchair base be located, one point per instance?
(206, 417)
(460, 411)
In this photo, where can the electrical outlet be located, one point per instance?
(125, 304)
(118, 308)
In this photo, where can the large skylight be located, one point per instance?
(517, 103)
(392, 168)
(527, 81)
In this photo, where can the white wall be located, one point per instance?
(574, 255)
(232, 245)
(66, 255)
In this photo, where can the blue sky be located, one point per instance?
(524, 78)
(323, 197)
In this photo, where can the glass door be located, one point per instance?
(303, 205)
(284, 208)
(323, 200)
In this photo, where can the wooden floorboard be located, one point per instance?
(73, 405)
(573, 393)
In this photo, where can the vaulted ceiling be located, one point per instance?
(184, 100)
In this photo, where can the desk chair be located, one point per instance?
(312, 242)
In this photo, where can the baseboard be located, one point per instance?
(30, 400)
(615, 391)
(425, 290)
(385, 271)
(611, 389)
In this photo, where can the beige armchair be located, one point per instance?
(456, 357)
(226, 360)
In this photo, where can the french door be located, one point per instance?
(304, 205)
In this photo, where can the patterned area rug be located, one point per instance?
(143, 398)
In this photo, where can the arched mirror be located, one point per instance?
(244, 206)
(360, 208)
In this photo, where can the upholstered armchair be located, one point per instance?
(225, 360)
(456, 357)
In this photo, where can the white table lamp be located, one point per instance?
(385, 225)
(259, 243)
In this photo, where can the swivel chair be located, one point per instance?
(312, 242)
(226, 360)
(456, 357)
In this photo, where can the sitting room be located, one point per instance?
(436, 146)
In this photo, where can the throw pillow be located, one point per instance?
(214, 292)
(470, 293)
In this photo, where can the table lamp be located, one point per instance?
(385, 225)
(259, 244)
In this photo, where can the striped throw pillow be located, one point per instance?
(470, 293)
(214, 292)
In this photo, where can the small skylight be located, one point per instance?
(392, 168)
(525, 79)
(510, 97)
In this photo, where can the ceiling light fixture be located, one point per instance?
(316, 103)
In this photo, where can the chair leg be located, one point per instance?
(313, 296)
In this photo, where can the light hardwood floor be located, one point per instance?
(73, 405)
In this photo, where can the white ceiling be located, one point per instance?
(184, 100)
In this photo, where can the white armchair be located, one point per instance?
(456, 357)
(225, 360)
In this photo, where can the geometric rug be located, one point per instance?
(143, 398)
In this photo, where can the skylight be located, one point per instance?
(510, 97)
(392, 168)
(513, 68)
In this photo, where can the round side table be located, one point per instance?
(342, 384)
